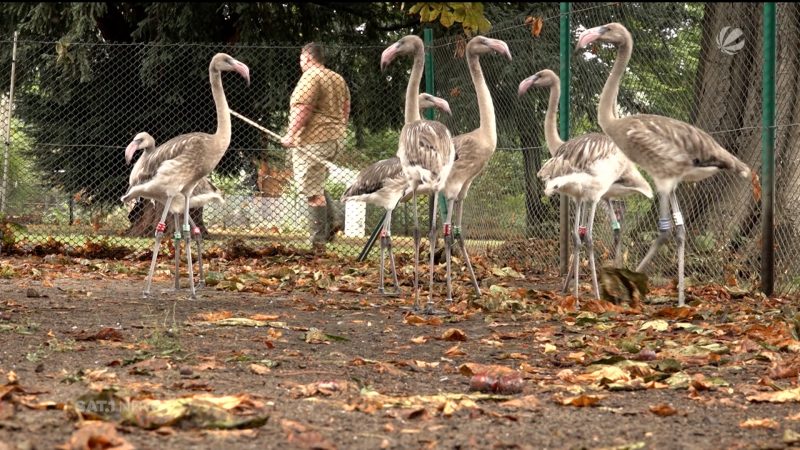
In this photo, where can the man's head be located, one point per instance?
(311, 55)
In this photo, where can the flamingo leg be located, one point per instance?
(176, 238)
(448, 247)
(198, 238)
(590, 248)
(680, 237)
(187, 235)
(664, 227)
(384, 237)
(570, 271)
(416, 251)
(432, 239)
(576, 240)
(389, 249)
(617, 230)
(160, 228)
(459, 237)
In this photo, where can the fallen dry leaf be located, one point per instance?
(526, 402)
(96, 435)
(413, 319)
(420, 339)
(582, 400)
(454, 334)
(215, 316)
(470, 369)
(663, 410)
(302, 436)
(106, 334)
(454, 351)
(790, 395)
(759, 423)
(259, 369)
(260, 317)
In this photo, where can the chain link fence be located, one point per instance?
(71, 123)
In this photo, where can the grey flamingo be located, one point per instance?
(473, 151)
(588, 168)
(197, 155)
(669, 150)
(384, 184)
(205, 192)
(425, 151)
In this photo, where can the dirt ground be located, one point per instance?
(303, 352)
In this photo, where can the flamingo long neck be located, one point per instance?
(488, 128)
(550, 128)
(412, 91)
(223, 134)
(608, 98)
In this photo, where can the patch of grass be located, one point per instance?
(41, 352)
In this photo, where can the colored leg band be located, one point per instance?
(186, 228)
(664, 224)
(161, 227)
(196, 230)
(582, 231)
(456, 231)
(177, 235)
(447, 229)
(615, 225)
(678, 218)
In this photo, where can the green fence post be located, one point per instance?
(768, 153)
(428, 38)
(429, 114)
(563, 125)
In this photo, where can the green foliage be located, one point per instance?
(469, 14)
(82, 96)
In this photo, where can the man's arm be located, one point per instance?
(298, 118)
(346, 110)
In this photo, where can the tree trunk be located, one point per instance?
(535, 211)
(787, 143)
(728, 104)
(722, 210)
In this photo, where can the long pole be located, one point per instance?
(768, 154)
(563, 122)
(7, 150)
(277, 137)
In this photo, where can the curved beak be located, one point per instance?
(525, 84)
(243, 70)
(130, 150)
(589, 36)
(388, 56)
(442, 105)
(500, 47)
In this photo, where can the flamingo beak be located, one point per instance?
(500, 47)
(525, 84)
(243, 70)
(442, 105)
(130, 150)
(590, 35)
(388, 56)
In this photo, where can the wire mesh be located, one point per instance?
(77, 107)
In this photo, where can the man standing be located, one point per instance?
(320, 107)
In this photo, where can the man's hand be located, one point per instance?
(288, 141)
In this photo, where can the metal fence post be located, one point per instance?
(428, 39)
(563, 123)
(429, 114)
(7, 150)
(768, 153)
